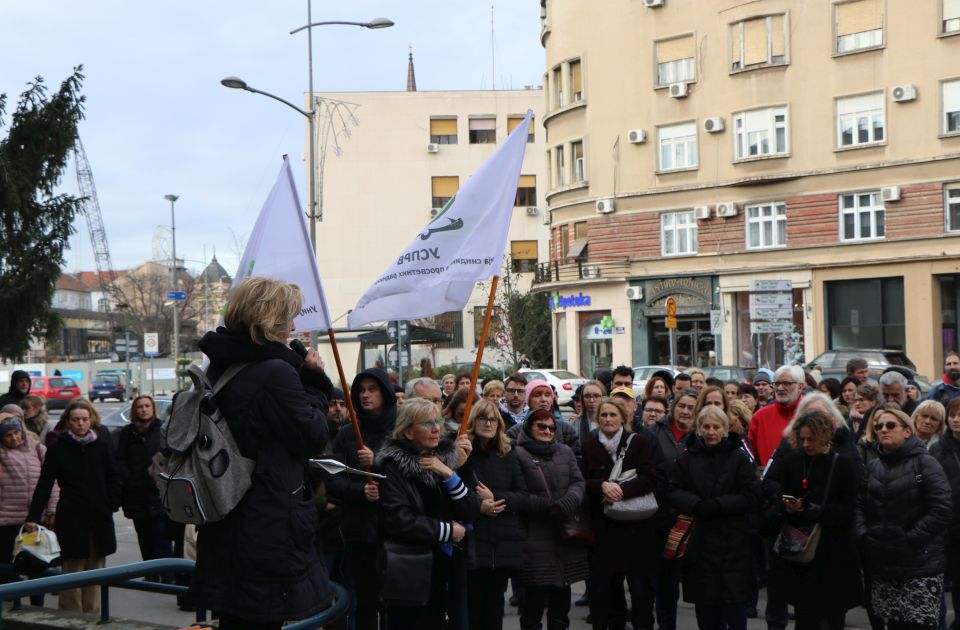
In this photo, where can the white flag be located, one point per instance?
(280, 248)
(464, 244)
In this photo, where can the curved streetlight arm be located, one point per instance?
(307, 115)
(363, 24)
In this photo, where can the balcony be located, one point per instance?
(581, 271)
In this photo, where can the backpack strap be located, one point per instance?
(227, 376)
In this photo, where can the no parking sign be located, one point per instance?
(151, 344)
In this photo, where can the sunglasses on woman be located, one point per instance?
(543, 426)
(890, 425)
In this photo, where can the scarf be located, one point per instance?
(611, 443)
(89, 437)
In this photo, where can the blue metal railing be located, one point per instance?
(124, 576)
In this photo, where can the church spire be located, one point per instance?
(411, 77)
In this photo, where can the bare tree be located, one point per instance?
(144, 290)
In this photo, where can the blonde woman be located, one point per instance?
(493, 391)
(930, 419)
(493, 472)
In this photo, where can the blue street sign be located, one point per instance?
(177, 295)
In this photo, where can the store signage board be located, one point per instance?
(770, 327)
(771, 285)
(776, 314)
(771, 299)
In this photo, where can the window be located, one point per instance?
(951, 106)
(443, 130)
(444, 188)
(579, 230)
(675, 60)
(951, 199)
(766, 225)
(576, 81)
(760, 132)
(483, 131)
(950, 18)
(495, 325)
(513, 121)
(450, 323)
(859, 25)
(560, 171)
(523, 256)
(526, 191)
(678, 233)
(579, 166)
(860, 120)
(861, 216)
(557, 84)
(866, 313)
(757, 42)
(564, 241)
(678, 146)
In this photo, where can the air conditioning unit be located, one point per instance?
(591, 272)
(653, 4)
(531, 212)
(546, 217)
(890, 193)
(904, 93)
(434, 212)
(726, 209)
(701, 212)
(678, 90)
(433, 147)
(634, 293)
(713, 124)
(637, 136)
(605, 206)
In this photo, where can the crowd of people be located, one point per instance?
(829, 494)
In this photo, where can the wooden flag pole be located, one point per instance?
(346, 392)
(476, 364)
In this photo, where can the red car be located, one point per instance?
(58, 390)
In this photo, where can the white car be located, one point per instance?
(642, 374)
(564, 381)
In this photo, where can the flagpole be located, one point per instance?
(476, 364)
(346, 392)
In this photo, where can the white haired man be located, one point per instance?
(767, 425)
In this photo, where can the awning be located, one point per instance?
(418, 334)
(578, 249)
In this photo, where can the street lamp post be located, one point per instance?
(173, 240)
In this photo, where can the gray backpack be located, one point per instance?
(205, 476)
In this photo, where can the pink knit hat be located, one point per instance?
(534, 384)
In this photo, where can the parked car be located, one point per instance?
(58, 390)
(731, 373)
(875, 358)
(642, 374)
(107, 386)
(121, 417)
(564, 381)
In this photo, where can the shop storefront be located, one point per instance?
(697, 338)
(591, 328)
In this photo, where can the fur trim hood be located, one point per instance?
(405, 456)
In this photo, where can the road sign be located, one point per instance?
(671, 322)
(179, 296)
(773, 314)
(502, 338)
(671, 305)
(771, 285)
(151, 344)
(716, 322)
(770, 327)
(771, 299)
(392, 357)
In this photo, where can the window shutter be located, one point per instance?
(755, 41)
(513, 121)
(445, 186)
(778, 36)
(523, 250)
(678, 131)
(527, 181)
(443, 126)
(576, 76)
(951, 9)
(674, 49)
(859, 16)
(477, 124)
(951, 96)
(856, 104)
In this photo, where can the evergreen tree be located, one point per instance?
(35, 222)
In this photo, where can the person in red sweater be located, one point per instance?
(768, 424)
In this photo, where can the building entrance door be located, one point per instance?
(695, 345)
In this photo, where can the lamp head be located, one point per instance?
(379, 23)
(171, 198)
(234, 82)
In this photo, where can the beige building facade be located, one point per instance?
(694, 148)
(408, 155)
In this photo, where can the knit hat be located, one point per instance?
(16, 410)
(337, 394)
(532, 385)
(9, 425)
(761, 377)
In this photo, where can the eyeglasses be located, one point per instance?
(593, 395)
(543, 426)
(429, 424)
(515, 390)
(484, 420)
(654, 411)
(783, 383)
(889, 425)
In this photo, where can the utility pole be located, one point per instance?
(173, 246)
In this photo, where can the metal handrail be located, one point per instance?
(123, 576)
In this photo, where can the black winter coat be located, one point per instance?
(621, 546)
(359, 518)
(89, 495)
(947, 451)
(139, 496)
(718, 486)
(844, 443)
(260, 563)
(497, 540)
(666, 450)
(831, 582)
(548, 560)
(902, 512)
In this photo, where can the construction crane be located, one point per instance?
(98, 235)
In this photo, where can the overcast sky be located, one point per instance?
(158, 121)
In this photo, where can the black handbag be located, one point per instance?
(406, 572)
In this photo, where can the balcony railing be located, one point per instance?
(555, 271)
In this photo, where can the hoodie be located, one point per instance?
(13, 395)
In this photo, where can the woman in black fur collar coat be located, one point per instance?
(425, 507)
